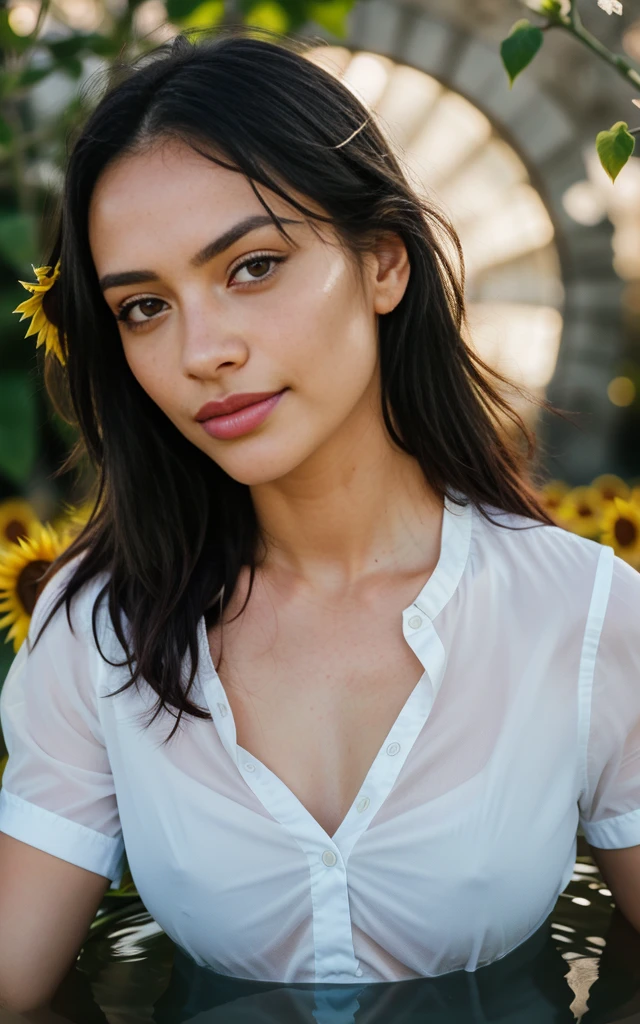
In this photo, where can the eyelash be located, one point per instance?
(122, 315)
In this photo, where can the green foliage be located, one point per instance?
(332, 16)
(18, 427)
(6, 135)
(18, 241)
(269, 15)
(615, 147)
(194, 13)
(290, 15)
(520, 47)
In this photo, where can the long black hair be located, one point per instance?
(171, 530)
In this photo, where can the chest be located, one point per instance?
(314, 692)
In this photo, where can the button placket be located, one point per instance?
(332, 929)
(215, 696)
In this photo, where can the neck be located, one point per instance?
(358, 507)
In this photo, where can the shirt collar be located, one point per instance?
(455, 544)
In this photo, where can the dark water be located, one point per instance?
(582, 965)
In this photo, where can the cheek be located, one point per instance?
(330, 338)
(154, 376)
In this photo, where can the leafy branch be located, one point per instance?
(615, 146)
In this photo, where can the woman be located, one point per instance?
(424, 686)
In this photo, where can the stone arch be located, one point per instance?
(550, 144)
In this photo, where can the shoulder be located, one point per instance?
(540, 557)
(620, 636)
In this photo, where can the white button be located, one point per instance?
(359, 972)
(329, 858)
(222, 708)
(363, 804)
(249, 767)
(415, 622)
(392, 749)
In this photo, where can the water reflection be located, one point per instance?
(582, 965)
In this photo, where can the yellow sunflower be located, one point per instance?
(33, 307)
(610, 486)
(635, 496)
(580, 512)
(552, 493)
(22, 565)
(17, 519)
(621, 530)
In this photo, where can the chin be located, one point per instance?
(255, 468)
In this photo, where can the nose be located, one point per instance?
(211, 344)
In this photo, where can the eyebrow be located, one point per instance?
(213, 249)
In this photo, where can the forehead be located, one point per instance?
(169, 194)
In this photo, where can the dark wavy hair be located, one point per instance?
(171, 530)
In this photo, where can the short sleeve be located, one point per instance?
(610, 717)
(57, 789)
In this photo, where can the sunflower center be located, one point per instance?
(625, 532)
(584, 510)
(28, 580)
(15, 529)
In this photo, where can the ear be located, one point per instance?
(391, 272)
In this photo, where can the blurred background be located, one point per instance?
(552, 246)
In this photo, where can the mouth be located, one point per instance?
(238, 414)
(232, 403)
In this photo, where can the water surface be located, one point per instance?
(582, 965)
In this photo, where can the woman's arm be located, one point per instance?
(621, 872)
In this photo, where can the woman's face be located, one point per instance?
(200, 322)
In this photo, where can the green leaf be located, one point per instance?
(207, 14)
(69, 47)
(84, 42)
(18, 426)
(103, 46)
(520, 47)
(615, 147)
(8, 82)
(332, 16)
(72, 66)
(6, 134)
(18, 241)
(32, 75)
(268, 15)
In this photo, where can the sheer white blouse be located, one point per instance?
(524, 726)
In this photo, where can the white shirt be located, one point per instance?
(524, 726)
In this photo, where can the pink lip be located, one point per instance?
(238, 422)
(223, 406)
